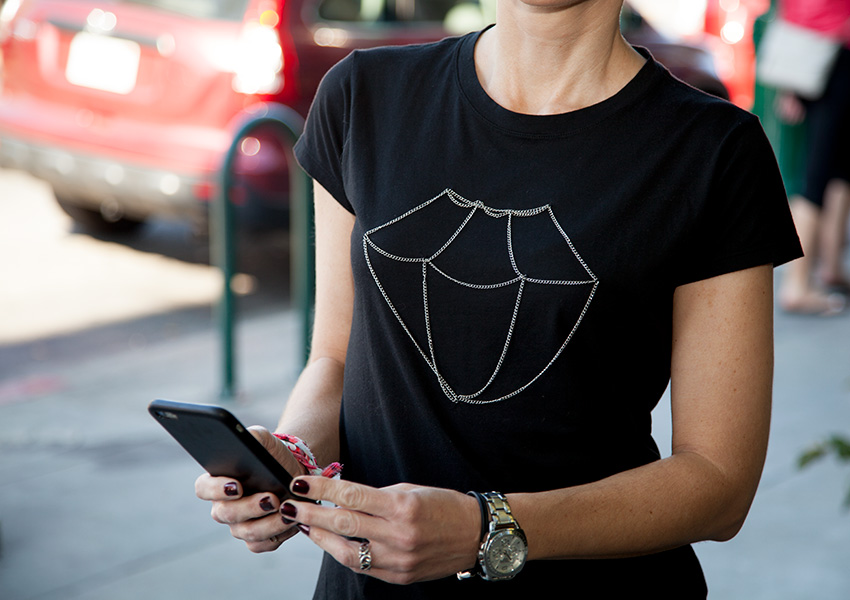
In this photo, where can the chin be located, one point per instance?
(566, 4)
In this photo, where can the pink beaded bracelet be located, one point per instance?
(305, 457)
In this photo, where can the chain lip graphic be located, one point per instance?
(520, 279)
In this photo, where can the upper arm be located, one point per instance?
(334, 280)
(722, 373)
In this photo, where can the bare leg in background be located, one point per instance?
(833, 235)
(822, 233)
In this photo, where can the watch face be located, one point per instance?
(505, 554)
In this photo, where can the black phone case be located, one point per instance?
(222, 445)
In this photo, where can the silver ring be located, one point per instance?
(365, 555)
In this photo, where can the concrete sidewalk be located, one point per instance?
(96, 501)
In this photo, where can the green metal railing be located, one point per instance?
(223, 235)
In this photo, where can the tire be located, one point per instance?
(94, 221)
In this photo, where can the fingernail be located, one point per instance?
(300, 487)
(231, 489)
(266, 504)
(305, 529)
(288, 510)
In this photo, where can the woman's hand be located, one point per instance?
(790, 108)
(255, 519)
(415, 533)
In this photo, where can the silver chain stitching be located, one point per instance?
(521, 278)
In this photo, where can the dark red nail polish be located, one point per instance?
(288, 510)
(266, 504)
(305, 529)
(300, 487)
(231, 489)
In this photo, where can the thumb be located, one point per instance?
(277, 449)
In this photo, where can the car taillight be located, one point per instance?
(259, 60)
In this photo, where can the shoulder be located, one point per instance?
(698, 120)
(389, 63)
(369, 82)
(679, 92)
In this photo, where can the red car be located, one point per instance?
(127, 107)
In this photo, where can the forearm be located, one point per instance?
(312, 412)
(662, 505)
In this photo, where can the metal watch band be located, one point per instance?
(495, 516)
(500, 511)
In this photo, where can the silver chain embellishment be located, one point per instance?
(522, 279)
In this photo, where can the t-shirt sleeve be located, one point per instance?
(746, 221)
(320, 148)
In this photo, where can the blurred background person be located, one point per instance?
(817, 283)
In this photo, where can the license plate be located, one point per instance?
(103, 63)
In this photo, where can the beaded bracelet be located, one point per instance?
(305, 457)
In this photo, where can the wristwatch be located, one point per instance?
(504, 547)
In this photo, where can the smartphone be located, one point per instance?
(222, 446)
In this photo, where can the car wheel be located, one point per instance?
(95, 221)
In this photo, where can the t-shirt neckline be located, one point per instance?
(556, 125)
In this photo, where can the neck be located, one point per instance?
(555, 59)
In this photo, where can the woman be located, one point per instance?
(522, 236)
(817, 283)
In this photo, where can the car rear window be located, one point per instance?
(230, 10)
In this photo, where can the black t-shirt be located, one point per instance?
(514, 277)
